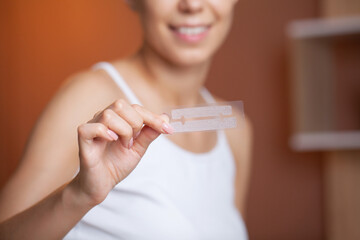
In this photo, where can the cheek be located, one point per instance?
(157, 9)
(222, 7)
(223, 10)
(154, 16)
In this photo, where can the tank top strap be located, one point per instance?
(222, 139)
(207, 95)
(117, 78)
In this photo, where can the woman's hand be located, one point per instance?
(112, 144)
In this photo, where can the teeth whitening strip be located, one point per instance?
(207, 117)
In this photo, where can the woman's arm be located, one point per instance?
(50, 158)
(241, 144)
(240, 140)
(51, 218)
(110, 146)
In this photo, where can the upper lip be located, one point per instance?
(175, 26)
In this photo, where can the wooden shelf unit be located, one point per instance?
(314, 84)
(325, 91)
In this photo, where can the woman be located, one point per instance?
(184, 187)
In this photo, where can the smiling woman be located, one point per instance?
(116, 186)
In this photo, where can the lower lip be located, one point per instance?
(192, 38)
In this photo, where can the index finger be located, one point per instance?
(160, 123)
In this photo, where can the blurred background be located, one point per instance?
(295, 77)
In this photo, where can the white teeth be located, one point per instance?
(191, 30)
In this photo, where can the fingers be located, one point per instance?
(129, 114)
(127, 121)
(89, 131)
(146, 137)
(117, 124)
(159, 123)
(137, 115)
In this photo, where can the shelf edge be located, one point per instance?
(320, 141)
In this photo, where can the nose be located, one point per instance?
(191, 6)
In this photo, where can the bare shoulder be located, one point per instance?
(89, 85)
(77, 100)
(50, 158)
(94, 88)
(79, 97)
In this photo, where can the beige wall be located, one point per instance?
(46, 41)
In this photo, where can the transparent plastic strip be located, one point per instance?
(197, 112)
(208, 117)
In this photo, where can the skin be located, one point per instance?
(42, 200)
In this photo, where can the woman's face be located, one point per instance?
(185, 32)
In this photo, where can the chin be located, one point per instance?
(188, 58)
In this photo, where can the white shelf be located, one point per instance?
(317, 28)
(319, 141)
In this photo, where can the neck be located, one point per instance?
(175, 85)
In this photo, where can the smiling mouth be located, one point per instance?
(191, 33)
(190, 30)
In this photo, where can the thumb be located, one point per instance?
(142, 142)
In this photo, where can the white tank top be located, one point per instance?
(172, 193)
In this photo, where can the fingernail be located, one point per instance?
(131, 143)
(167, 128)
(112, 134)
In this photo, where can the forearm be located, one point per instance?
(51, 218)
